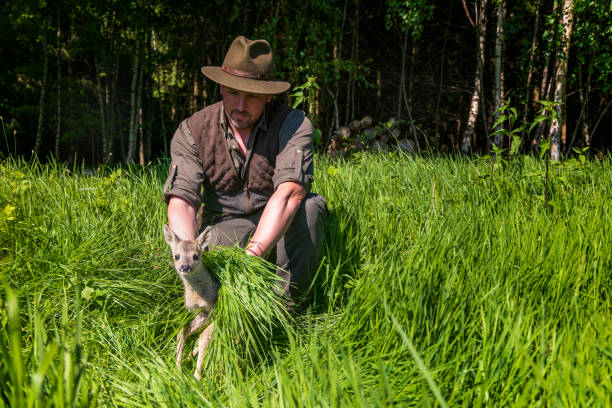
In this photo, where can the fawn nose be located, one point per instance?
(185, 268)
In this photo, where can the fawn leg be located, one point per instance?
(203, 341)
(179, 348)
(200, 320)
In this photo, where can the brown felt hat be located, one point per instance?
(248, 67)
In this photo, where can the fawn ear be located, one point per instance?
(170, 236)
(203, 240)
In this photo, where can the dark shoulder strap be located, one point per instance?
(279, 114)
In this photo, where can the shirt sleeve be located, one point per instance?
(295, 153)
(186, 176)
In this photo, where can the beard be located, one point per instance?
(241, 119)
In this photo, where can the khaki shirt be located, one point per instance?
(186, 177)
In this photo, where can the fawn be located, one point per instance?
(201, 291)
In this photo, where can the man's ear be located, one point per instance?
(203, 240)
(170, 236)
(269, 98)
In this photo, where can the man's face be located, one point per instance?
(242, 108)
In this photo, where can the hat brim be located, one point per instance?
(259, 86)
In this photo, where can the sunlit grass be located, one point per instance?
(439, 285)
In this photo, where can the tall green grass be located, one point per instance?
(439, 285)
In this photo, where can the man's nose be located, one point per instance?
(241, 103)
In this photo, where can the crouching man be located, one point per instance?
(248, 161)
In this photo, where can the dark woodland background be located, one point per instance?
(108, 81)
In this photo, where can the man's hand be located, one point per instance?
(182, 218)
(276, 218)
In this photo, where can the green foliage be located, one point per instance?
(411, 15)
(546, 113)
(593, 33)
(305, 94)
(507, 115)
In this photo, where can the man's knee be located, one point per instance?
(312, 215)
(315, 206)
(232, 231)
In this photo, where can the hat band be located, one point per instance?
(246, 74)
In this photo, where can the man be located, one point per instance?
(248, 160)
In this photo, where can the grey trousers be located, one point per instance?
(298, 252)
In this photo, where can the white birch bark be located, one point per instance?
(481, 29)
(567, 20)
(499, 40)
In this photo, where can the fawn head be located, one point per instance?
(187, 254)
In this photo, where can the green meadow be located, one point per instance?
(445, 281)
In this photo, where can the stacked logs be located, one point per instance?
(363, 135)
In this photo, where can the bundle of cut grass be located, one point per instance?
(250, 315)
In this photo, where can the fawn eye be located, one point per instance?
(196, 257)
(177, 257)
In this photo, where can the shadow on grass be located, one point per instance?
(340, 261)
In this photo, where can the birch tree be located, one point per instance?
(499, 73)
(566, 22)
(480, 25)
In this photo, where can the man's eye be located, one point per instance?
(177, 257)
(196, 257)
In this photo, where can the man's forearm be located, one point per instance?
(181, 218)
(276, 218)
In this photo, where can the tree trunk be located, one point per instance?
(567, 20)
(162, 114)
(350, 87)
(498, 95)
(354, 97)
(112, 107)
(43, 91)
(481, 29)
(401, 89)
(132, 138)
(532, 51)
(585, 120)
(59, 90)
(544, 86)
(139, 124)
(101, 105)
(412, 124)
(583, 117)
(437, 109)
(338, 56)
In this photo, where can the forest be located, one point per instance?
(463, 149)
(109, 81)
